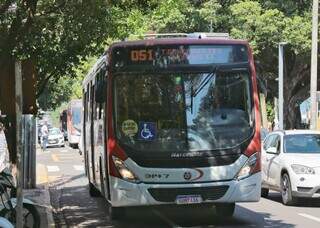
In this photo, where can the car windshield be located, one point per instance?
(302, 143)
(54, 131)
(183, 111)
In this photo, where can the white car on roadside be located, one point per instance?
(55, 138)
(291, 164)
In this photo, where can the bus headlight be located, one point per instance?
(248, 168)
(124, 171)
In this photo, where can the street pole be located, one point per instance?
(314, 66)
(18, 94)
(280, 86)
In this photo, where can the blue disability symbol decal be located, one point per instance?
(147, 130)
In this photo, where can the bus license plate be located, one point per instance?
(188, 199)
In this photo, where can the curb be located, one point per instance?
(43, 183)
(49, 208)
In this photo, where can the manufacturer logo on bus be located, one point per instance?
(188, 176)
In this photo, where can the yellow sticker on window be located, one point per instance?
(129, 127)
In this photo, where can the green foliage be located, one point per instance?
(298, 33)
(270, 111)
(58, 35)
(55, 115)
(66, 88)
(261, 27)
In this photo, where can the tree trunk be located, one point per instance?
(296, 84)
(7, 108)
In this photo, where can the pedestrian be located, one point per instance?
(44, 136)
(4, 154)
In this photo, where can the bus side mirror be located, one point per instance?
(100, 96)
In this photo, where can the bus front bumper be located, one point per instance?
(124, 193)
(74, 139)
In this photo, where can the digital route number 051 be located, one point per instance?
(141, 55)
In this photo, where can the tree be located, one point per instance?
(265, 28)
(56, 35)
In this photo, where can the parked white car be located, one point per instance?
(55, 138)
(291, 164)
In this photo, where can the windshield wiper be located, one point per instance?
(207, 79)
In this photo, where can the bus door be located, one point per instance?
(99, 130)
(96, 135)
(84, 130)
(91, 158)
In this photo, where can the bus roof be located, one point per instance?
(172, 41)
(183, 39)
(75, 103)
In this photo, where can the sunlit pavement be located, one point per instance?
(62, 169)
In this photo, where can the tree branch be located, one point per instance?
(43, 84)
(5, 6)
(52, 9)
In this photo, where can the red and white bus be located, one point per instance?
(74, 122)
(173, 121)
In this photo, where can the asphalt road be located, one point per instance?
(63, 169)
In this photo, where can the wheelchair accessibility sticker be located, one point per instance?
(147, 131)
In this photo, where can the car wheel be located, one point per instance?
(225, 209)
(117, 213)
(264, 192)
(286, 190)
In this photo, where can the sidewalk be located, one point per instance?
(41, 196)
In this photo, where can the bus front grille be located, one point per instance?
(170, 194)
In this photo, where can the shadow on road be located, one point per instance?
(75, 208)
(205, 216)
(301, 202)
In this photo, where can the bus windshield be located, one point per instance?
(76, 115)
(183, 111)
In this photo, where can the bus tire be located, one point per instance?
(93, 191)
(116, 213)
(225, 210)
(264, 192)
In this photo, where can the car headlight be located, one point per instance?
(301, 169)
(124, 171)
(248, 167)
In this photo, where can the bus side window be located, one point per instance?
(92, 102)
(87, 102)
(84, 105)
(96, 94)
(104, 93)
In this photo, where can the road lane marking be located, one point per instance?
(53, 178)
(309, 217)
(64, 151)
(55, 157)
(42, 174)
(78, 167)
(53, 168)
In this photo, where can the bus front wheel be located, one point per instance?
(116, 213)
(93, 191)
(225, 209)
